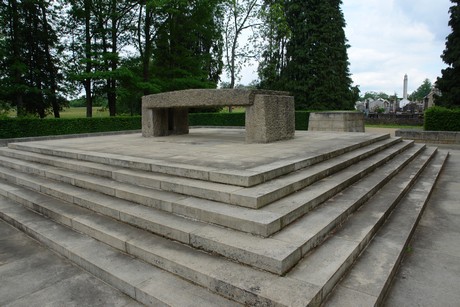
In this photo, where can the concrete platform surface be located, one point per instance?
(210, 148)
(31, 275)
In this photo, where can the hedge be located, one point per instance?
(238, 119)
(442, 119)
(31, 127)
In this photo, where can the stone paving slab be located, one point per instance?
(430, 273)
(32, 275)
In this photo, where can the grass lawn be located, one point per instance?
(81, 112)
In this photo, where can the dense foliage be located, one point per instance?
(449, 82)
(30, 127)
(111, 53)
(442, 119)
(306, 53)
(111, 50)
(29, 61)
(422, 91)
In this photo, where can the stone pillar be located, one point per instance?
(160, 122)
(179, 121)
(271, 118)
(147, 122)
(164, 121)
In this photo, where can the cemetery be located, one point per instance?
(224, 221)
(229, 153)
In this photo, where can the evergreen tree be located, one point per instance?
(30, 80)
(317, 69)
(449, 82)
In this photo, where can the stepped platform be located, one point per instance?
(277, 224)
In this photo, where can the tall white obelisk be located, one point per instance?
(404, 101)
(405, 87)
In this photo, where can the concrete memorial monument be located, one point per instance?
(270, 115)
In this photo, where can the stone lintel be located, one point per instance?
(205, 98)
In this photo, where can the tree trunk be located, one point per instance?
(18, 98)
(147, 47)
(51, 68)
(89, 100)
(112, 88)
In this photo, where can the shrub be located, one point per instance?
(239, 119)
(29, 127)
(442, 119)
(217, 119)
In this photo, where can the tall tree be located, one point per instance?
(188, 44)
(241, 16)
(422, 91)
(145, 36)
(449, 82)
(276, 33)
(317, 70)
(31, 46)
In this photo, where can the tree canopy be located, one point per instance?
(449, 82)
(314, 63)
(117, 51)
(422, 91)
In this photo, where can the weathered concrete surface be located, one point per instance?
(204, 98)
(269, 117)
(339, 121)
(435, 137)
(430, 273)
(32, 275)
(209, 154)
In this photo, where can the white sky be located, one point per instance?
(390, 38)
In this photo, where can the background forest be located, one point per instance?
(111, 53)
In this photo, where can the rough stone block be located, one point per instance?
(343, 121)
(270, 119)
(271, 114)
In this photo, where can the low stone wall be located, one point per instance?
(340, 121)
(394, 119)
(435, 137)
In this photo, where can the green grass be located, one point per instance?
(81, 112)
(74, 112)
(234, 110)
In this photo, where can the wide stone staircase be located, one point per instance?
(329, 228)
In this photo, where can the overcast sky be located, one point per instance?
(390, 38)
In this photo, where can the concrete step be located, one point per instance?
(268, 254)
(264, 222)
(132, 276)
(308, 231)
(307, 284)
(252, 197)
(277, 254)
(325, 148)
(325, 265)
(368, 281)
(141, 281)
